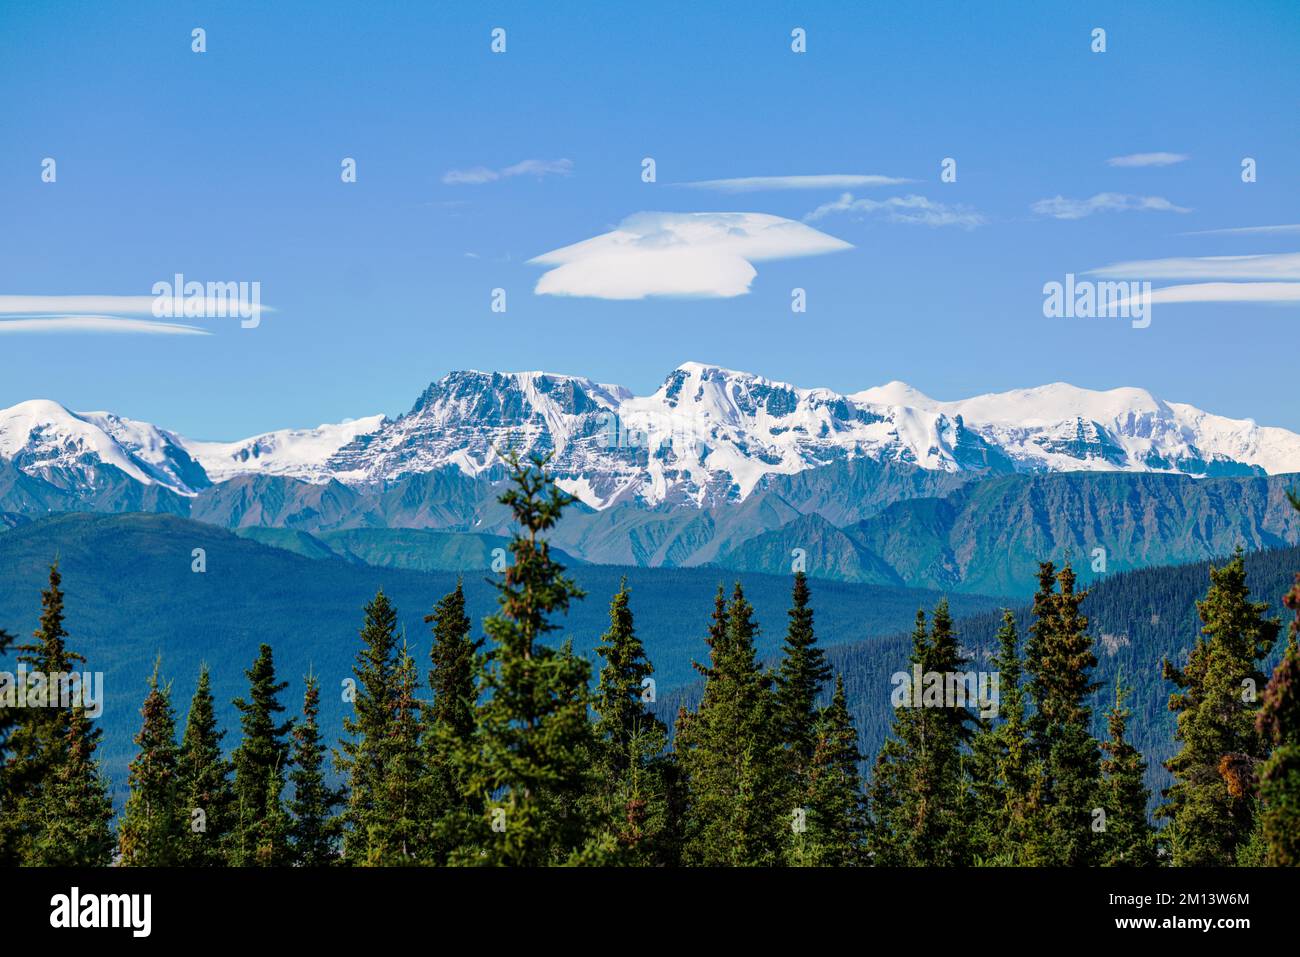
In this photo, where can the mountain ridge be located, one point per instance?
(708, 436)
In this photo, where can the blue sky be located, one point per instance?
(226, 166)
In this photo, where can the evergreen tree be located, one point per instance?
(52, 767)
(79, 832)
(799, 682)
(362, 758)
(1210, 806)
(526, 763)
(835, 834)
(206, 797)
(739, 809)
(259, 765)
(1130, 840)
(1060, 661)
(153, 820)
(8, 718)
(398, 838)
(314, 832)
(1278, 723)
(449, 718)
(273, 827)
(632, 768)
(918, 791)
(1002, 763)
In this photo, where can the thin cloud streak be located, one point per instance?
(1147, 159)
(1059, 207)
(1283, 229)
(910, 210)
(32, 325)
(1263, 292)
(478, 175)
(754, 184)
(1281, 266)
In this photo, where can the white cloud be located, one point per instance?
(529, 167)
(754, 184)
(131, 305)
(97, 324)
(691, 255)
(1147, 159)
(1280, 230)
(1059, 207)
(1279, 266)
(1225, 292)
(914, 210)
(100, 306)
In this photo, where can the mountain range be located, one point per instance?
(719, 467)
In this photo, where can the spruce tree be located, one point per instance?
(835, 823)
(918, 791)
(1211, 804)
(1129, 839)
(52, 768)
(526, 764)
(398, 838)
(448, 719)
(79, 832)
(799, 682)
(1060, 661)
(740, 811)
(272, 830)
(203, 776)
(1003, 769)
(153, 821)
(259, 764)
(632, 768)
(1278, 723)
(313, 834)
(362, 757)
(8, 718)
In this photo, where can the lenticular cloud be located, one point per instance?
(688, 255)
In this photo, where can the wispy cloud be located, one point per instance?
(754, 184)
(913, 210)
(96, 324)
(1059, 207)
(689, 255)
(1284, 229)
(1147, 159)
(1279, 266)
(1226, 292)
(529, 167)
(1280, 275)
(28, 305)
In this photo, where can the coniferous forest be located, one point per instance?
(493, 744)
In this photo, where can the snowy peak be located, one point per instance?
(1061, 427)
(67, 449)
(464, 418)
(299, 453)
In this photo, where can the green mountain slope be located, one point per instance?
(131, 594)
(989, 536)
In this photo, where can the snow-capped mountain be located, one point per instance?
(299, 453)
(710, 435)
(69, 449)
(705, 437)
